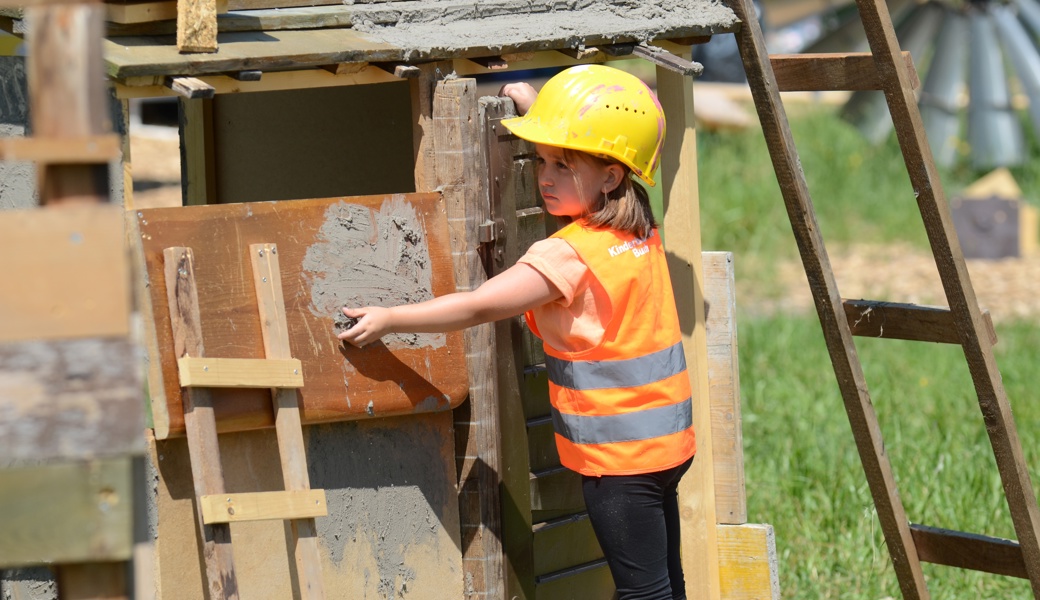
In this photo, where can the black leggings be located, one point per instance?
(636, 520)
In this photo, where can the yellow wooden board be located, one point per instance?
(747, 562)
(263, 506)
(240, 372)
(361, 250)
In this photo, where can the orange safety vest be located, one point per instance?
(623, 407)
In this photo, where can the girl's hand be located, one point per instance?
(523, 95)
(373, 322)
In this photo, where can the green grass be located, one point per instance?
(803, 472)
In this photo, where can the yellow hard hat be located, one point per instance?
(599, 110)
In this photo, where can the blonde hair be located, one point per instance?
(625, 208)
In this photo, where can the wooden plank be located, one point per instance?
(457, 172)
(263, 506)
(663, 58)
(681, 227)
(978, 351)
(86, 292)
(66, 512)
(191, 88)
(541, 444)
(198, 168)
(92, 581)
(724, 387)
(240, 372)
(748, 567)
(328, 258)
(206, 471)
(141, 12)
(70, 399)
(843, 71)
(556, 488)
(88, 150)
(872, 318)
(564, 543)
(196, 26)
(303, 537)
(969, 551)
(591, 580)
(840, 346)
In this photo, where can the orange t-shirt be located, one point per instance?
(576, 321)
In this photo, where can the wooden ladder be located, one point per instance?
(887, 69)
(216, 509)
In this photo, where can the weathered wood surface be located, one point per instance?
(747, 562)
(845, 71)
(969, 551)
(870, 318)
(590, 580)
(724, 387)
(302, 536)
(86, 291)
(77, 511)
(196, 26)
(562, 543)
(840, 346)
(681, 227)
(206, 470)
(332, 252)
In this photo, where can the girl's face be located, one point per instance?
(571, 190)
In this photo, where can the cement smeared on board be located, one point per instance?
(372, 258)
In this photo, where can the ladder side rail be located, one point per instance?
(978, 350)
(837, 334)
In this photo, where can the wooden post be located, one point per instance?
(682, 236)
(456, 130)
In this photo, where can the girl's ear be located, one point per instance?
(614, 176)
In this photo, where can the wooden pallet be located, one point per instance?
(963, 323)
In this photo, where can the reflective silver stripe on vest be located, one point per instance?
(627, 427)
(631, 372)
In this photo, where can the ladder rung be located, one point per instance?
(892, 320)
(240, 372)
(968, 551)
(263, 506)
(848, 71)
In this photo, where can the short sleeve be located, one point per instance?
(558, 262)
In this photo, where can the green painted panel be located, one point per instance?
(588, 582)
(541, 440)
(564, 543)
(535, 392)
(556, 489)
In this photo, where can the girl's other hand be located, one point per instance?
(522, 94)
(373, 322)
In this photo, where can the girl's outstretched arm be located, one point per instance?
(518, 289)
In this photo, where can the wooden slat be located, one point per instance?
(264, 506)
(564, 543)
(240, 372)
(969, 551)
(191, 88)
(663, 58)
(554, 489)
(198, 166)
(87, 150)
(541, 444)
(840, 346)
(681, 228)
(86, 292)
(196, 26)
(66, 512)
(140, 12)
(303, 538)
(724, 387)
(591, 580)
(871, 318)
(845, 71)
(200, 424)
(960, 295)
(748, 566)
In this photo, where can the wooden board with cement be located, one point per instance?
(357, 251)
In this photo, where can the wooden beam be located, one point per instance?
(682, 232)
(748, 566)
(191, 88)
(303, 535)
(663, 58)
(247, 75)
(401, 70)
(140, 12)
(724, 387)
(197, 26)
(89, 150)
(969, 551)
(198, 159)
(206, 471)
(66, 512)
(201, 372)
(872, 318)
(849, 71)
(492, 63)
(264, 506)
(85, 292)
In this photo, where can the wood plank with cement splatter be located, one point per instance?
(363, 250)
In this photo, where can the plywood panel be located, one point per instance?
(362, 250)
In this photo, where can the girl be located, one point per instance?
(598, 295)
